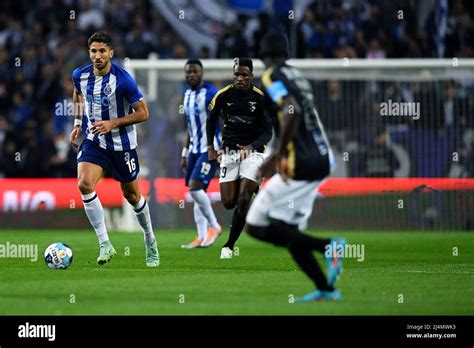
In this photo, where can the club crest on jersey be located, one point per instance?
(252, 106)
(107, 89)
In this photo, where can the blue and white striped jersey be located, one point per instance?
(195, 110)
(106, 98)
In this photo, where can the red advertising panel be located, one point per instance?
(173, 190)
(49, 194)
(374, 186)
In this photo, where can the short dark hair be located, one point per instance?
(244, 62)
(100, 36)
(273, 44)
(193, 61)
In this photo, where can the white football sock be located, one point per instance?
(95, 214)
(201, 221)
(200, 197)
(142, 212)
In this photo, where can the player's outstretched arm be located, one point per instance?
(140, 114)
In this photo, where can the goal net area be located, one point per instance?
(402, 132)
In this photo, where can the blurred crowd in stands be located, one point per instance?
(359, 29)
(421, 143)
(42, 42)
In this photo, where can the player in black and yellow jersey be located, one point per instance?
(302, 158)
(246, 131)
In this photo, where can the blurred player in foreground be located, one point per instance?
(302, 158)
(246, 131)
(110, 99)
(194, 162)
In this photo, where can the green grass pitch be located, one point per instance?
(419, 266)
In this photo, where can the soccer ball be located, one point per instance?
(58, 256)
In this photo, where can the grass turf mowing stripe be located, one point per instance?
(420, 266)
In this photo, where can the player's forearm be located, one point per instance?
(78, 105)
(134, 118)
(186, 143)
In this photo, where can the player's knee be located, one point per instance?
(85, 186)
(228, 203)
(243, 203)
(196, 185)
(132, 197)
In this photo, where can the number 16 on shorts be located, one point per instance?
(130, 162)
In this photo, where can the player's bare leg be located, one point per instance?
(229, 196)
(247, 188)
(131, 192)
(230, 193)
(206, 222)
(88, 175)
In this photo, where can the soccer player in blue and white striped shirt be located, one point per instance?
(194, 162)
(110, 99)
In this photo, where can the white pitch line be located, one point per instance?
(436, 272)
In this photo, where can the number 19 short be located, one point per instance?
(124, 164)
(200, 169)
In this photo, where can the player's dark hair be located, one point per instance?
(244, 62)
(193, 61)
(273, 45)
(100, 36)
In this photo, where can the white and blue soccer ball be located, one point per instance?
(58, 256)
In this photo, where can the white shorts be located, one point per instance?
(290, 202)
(232, 168)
